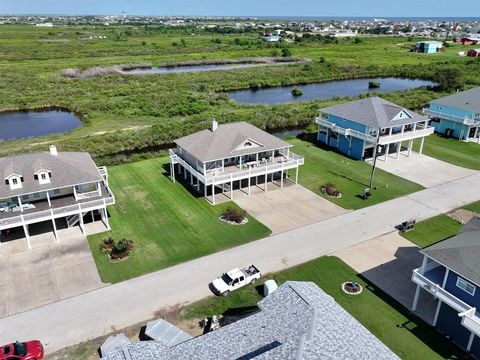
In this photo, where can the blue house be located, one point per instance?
(428, 47)
(371, 127)
(451, 273)
(457, 115)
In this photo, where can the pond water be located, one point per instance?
(187, 68)
(325, 90)
(287, 133)
(22, 124)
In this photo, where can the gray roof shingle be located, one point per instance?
(207, 145)
(297, 321)
(466, 100)
(374, 112)
(460, 253)
(67, 169)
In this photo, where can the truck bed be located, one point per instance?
(249, 271)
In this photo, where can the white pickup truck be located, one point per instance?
(235, 279)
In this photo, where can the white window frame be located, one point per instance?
(15, 182)
(464, 284)
(46, 180)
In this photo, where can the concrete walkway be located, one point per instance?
(424, 170)
(102, 311)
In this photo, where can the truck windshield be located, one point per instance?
(228, 280)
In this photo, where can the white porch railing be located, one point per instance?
(55, 212)
(461, 119)
(347, 132)
(407, 135)
(88, 195)
(469, 319)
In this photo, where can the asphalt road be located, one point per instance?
(74, 320)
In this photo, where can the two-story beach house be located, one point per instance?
(428, 47)
(371, 127)
(56, 188)
(451, 273)
(457, 115)
(232, 156)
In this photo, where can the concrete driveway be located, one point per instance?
(424, 170)
(288, 208)
(49, 272)
(388, 261)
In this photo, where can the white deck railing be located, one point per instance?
(468, 313)
(44, 215)
(461, 119)
(407, 135)
(218, 178)
(345, 131)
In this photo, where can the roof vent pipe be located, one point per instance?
(214, 125)
(53, 150)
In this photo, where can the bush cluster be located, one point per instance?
(116, 250)
(329, 189)
(235, 215)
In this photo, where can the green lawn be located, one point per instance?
(351, 177)
(433, 230)
(167, 223)
(464, 154)
(405, 334)
(475, 207)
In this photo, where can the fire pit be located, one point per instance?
(352, 288)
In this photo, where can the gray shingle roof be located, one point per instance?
(207, 145)
(67, 169)
(465, 100)
(373, 111)
(297, 321)
(460, 253)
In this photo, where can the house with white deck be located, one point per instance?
(53, 189)
(371, 127)
(232, 156)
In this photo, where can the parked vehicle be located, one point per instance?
(29, 350)
(235, 279)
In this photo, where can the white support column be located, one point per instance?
(185, 173)
(223, 165)
(421, 145)
(437, 312)
(470, 341)
(93, 216)
(80, 222)
(415, 298)
(410, 145)
(231, 188)
(399, 148)
(205, 190)
(191, 178)
(213, 191)
(27, 235)
(296, 174)
(99, 189)
(273, 156)
(172, 171)
(105, 218)
(55, 233)
(48, 199)
(266, 178)
(75, 192)
(249, 179)
(387, 150)
(281, 179)
(20, 204)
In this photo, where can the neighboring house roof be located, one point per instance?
(297, 321)
(67, 169)
(373, 111)
(224, 142)
(460, 253)
(431, 42)
(465, 100)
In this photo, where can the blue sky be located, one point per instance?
(320, 8)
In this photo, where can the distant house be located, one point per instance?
(450, 272)
(297, 321)
(470, 40)
(44, 25)
(428, 47)
(371, 127)
(232, 156)
(473, 53)
(272, 38)
(55, 188)
(457, 115)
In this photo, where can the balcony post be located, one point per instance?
(27, 234)
(296, 174)
(249, 171)
(387, 149)
(55, 233)
(421, 145)
(410, 145)
(266, 177)
(399, 148)
(415, 298)
(48, 199)
(231, 187)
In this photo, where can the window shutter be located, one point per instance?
(7, 182)
(35, 177)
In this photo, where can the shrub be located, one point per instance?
(373, 84)
(107, 245)
(329, 189)
(286, 52)
(297, 92)
(121, 249)
(234, 215)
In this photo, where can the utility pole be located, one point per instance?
(377, 149)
